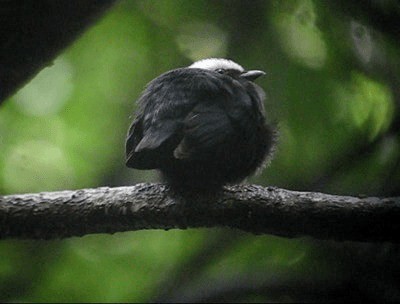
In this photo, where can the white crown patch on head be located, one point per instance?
(216, 63)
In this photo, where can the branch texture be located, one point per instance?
(153, 206)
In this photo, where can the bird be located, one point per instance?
(202, 126)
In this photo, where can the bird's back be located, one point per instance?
(200, 129)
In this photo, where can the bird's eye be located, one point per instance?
(220, 71)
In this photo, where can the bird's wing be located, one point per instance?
(206, 128)
(215, 123)
(184, 114)
(144, 149)
(157, 129)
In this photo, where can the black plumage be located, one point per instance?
(202, 128)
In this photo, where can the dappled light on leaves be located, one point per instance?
(48, 92)
(296, 26)
(362, 40)
(332, 85)
(79, 108)
(365, 104)
(35, 165)
(131, 265)
(262, 254)
(202, 40)
(389, 152)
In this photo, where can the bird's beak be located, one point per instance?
(252, 75)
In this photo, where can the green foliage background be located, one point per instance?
(333, 90)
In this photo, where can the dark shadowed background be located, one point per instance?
(333, 89)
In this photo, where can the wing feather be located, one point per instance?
(206, 129)
(163, 107)
(185, 114)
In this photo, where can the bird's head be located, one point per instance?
(226, 67)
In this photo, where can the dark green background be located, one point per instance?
(333, 90)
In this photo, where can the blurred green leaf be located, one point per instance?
(366, 104)
(296, 24)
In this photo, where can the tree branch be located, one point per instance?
(154, 206)
(33, 32)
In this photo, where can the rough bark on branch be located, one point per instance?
(153, 206)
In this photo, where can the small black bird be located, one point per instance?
(202, 126)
